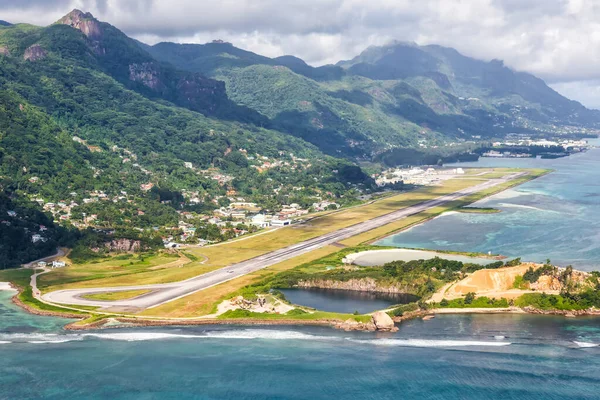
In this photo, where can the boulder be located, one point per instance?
(383, 322)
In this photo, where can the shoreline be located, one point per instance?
(121, 322)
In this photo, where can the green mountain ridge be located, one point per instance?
(84, 138)
(388, 97)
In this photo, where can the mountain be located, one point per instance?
(4, 23)
(396, 96)
(209, 57)
(492, 82)
(104, 136)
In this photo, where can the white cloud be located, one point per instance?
(558, 40)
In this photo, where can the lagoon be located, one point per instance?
(555, 217)
(345, 301)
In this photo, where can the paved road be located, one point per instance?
(163, 293)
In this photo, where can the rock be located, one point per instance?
(123, 245)
(4, 51)
(145, 73)
(85, 22)
(383, 322)
(360, 285)
(352, 325)
(35, 53)
(428, 317)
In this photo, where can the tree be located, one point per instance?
(469, 298)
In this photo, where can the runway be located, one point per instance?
(163, 293)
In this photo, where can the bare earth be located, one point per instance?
(492, 283)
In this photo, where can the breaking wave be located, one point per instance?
(245, 334)
(431, 343)
(585, 345)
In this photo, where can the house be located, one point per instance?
(37, 238)
(42, 264)
(11, 213)
(58, 264)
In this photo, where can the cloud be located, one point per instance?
(558, 40)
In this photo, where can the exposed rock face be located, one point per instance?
(201, 92)
(35, 53)
(360, 285)
(146, 74)
(123, 245)
(383, 322)
(85, 22)
(353, 325)
(4, 51)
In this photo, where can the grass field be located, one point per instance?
(121, 295)
(164, 268)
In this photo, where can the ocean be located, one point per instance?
(554, 217)
(450, 357)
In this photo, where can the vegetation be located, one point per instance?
(479, 210)
(294, 314)
(72, 124)
(112, 296)
(470, 301)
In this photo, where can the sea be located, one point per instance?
(554, 217)
(462, 357)
(450, 357)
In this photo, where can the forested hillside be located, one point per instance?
(103, 137)
(96, 147)
(396, 96)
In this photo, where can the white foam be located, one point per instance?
(585, 345)
(227, 334)
(6, 286)
(511, 205)
(431, 343)
(69, 339)
(499, 337)
(4, 342)
(139, 336)
(38, 338)
(266, 334)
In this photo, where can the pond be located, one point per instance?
(345, 301)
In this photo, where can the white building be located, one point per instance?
(58, 264)
(260, 221)
(281, 222)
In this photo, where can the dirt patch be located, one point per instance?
(492, 283)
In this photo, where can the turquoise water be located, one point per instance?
(451, 357)
(466, 357)
(345, 301)
(556, 216)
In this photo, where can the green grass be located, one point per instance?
(479, 210)
(317, 315)
(121, 295)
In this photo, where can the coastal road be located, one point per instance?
(163, 293)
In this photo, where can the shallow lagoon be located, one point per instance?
(379, 257)
(555, 216)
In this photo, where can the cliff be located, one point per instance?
(359, 285)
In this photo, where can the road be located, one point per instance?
(163, 293)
